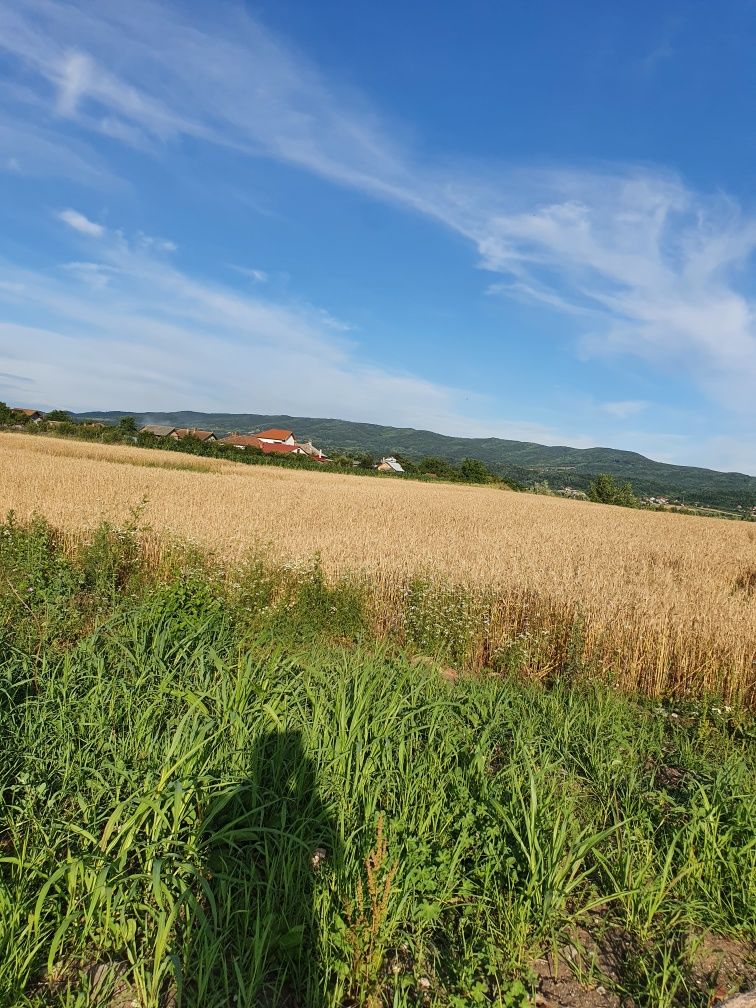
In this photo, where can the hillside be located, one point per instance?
(521, 460)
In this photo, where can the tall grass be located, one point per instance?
(221, 788)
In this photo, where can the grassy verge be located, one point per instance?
(226, 790)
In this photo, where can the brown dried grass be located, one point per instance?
(659, 597)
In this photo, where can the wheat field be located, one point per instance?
(664, 602)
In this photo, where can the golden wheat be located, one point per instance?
(664, 600)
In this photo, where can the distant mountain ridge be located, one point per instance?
(524, 461)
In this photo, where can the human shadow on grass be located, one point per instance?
(253, 940)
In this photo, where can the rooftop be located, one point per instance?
(275, 434)
(157, 429)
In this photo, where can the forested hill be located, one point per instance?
(520, 460)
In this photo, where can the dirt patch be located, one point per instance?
(726, 966)
(588, 973)
(558, 987)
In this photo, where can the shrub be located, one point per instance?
(604, 490)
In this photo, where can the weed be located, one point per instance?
(367, 935)
(195, 759)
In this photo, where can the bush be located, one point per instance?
(543, 488)
(474, 471)
(604, 490)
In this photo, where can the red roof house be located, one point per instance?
(268, 447)
(276, 436)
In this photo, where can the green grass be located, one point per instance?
(176, 749)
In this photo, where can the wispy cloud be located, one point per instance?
(157, 244)
(659, 270)
(624, 408)
(93, 274)
(80, 223)
(7, 379)
(40, 151)
(131, 327)
(258, 275)
(659, 54)
(76, 73)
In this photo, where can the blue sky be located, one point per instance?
(532, 221)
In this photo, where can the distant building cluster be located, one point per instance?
(657, 501)
(271, 442)
(274, 441)
(177, 433)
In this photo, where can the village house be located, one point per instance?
(275, 442)
(276, 436)
(193, 432)
(282, 442)
(270, 442)
(177, 433)
(27, 414)
(315, 453)
(244, 441)
(159, 430)
(657, 500)
(389, 465)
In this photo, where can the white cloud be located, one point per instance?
(75, 75)
(117, 129)
(258, 275)
(37, 150)
(624, 408)
(723, 452)
(658, 268)
(94, 274)
(80, 223)
(158, 244)
(133, 328)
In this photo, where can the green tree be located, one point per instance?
(407, 464)
(604, 490)
(6, 414)
(438, 466)
(543, 487)
(474, 471)
(59, 415)
(626, 497)
(127, 425)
